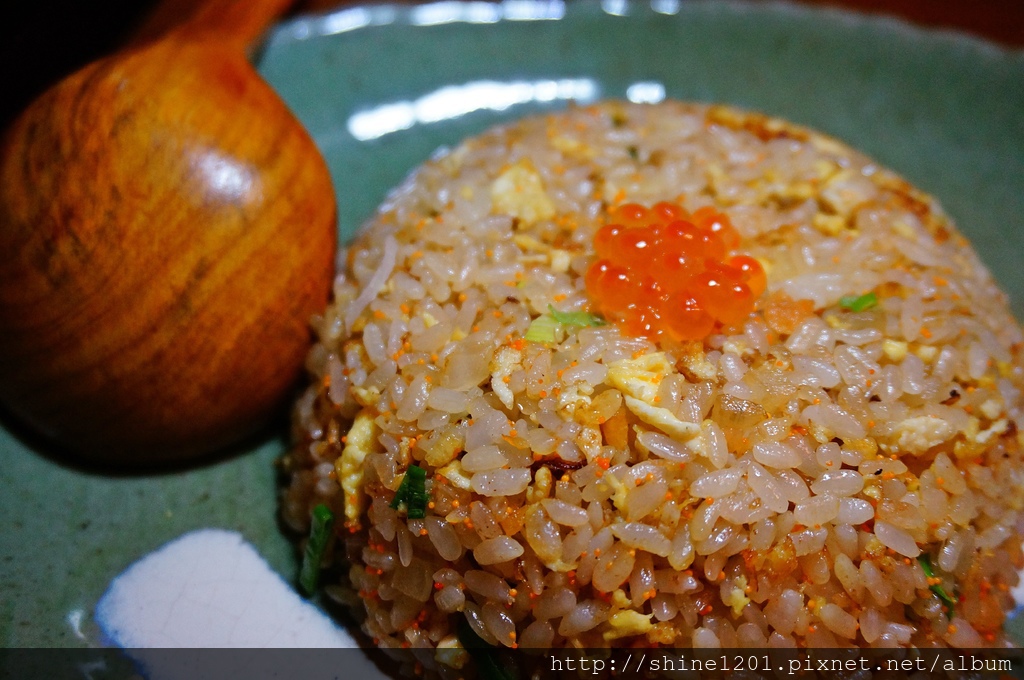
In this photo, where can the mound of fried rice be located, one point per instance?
(814, 476)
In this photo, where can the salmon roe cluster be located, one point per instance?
(667, 275)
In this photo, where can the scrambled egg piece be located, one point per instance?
(698, 365)
(920, 433)
(830, 225)
(737, 598)
(926, 353)
(560, 260)
(365, 396)
(444, 449)
(619, 599)
(663, 419)
(454, 473)
(589, 440)
(572, 147)
(638, 380)
(519, 191)
(999, 427)
(738, 347)
(505, 361)
(619, 493)
(844, 191)
(896, 350)
(451, 653)
(572, 398)
(627, 623)
(452, 162)
(702, 446)
(991, 408)
(904, 230)
(541, 487)
(360, 441)
(530, 244)
(716, 177)
(640, 377)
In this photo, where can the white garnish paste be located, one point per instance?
(210, 588)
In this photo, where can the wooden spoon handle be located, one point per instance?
(236, 23)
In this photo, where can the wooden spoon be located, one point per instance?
(167, 229)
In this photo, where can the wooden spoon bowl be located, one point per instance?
(167, 229)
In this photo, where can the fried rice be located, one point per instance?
(819, 474)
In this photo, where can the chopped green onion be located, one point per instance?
(319, 535)
(926, 565)
(858, 304)
(581, 319)
(416, 502)
(489, 663)
(545, 326)
(413, 492)
(542, 329)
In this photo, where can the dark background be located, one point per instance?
(43, 40)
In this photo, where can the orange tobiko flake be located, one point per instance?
(667, 275)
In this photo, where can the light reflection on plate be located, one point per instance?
(455, 101)
(429, 14)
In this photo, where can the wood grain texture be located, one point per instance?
(167, 229)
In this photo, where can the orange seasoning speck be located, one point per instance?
(667, 275)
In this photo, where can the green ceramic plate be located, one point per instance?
(380, 88)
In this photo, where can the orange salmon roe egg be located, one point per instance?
(667, 275)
